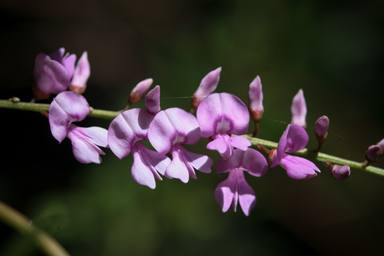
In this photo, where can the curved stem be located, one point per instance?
(13, 103)
(21, 223)
(319, 156)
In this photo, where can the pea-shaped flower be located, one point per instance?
(220, 115)
(293, 139)
(167, 132)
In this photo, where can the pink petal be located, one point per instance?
(222, 113)
(153, 158)
(220, 143)
(82, 71)
(152, 100)
(247, 197)
(239, 142)
(141, 172)
(161, 133)
(226, 192)
(298, 168)
(69, 64)
(200, 162)
(255, 95)
(127, 128)
(140, 90)
(84, 150)
(67, 107)
(178, 168)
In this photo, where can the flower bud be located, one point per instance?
(340, 172)
(372, 153)
(140, 90)
(381, 145)
(152, 100)
(255, 97)
(81, 75)
(207, 85)
(299, 109)
(321, 128)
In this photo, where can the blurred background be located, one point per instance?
(333, 50)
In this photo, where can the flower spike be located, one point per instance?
(299, 109)
(207, 85)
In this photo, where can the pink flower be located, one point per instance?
(124, 136)
(299, 109)
(68, 107)
(167, 132)
(219, 116)
(293, 139)
(340, 172)
(235, 188)
(207, 85)
(152, 101)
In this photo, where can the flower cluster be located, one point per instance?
(221, 117)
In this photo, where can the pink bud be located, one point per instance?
(255, 97)
(81, 75)
(372, 153)
(207, 85)
(340, 172)
(299, 109)
(321, 128)
(381, 145)
(140, 90)
(152, 101)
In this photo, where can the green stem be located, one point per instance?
(21, 223)
(318, 156)
(105, 114)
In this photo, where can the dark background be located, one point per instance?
(333, 50)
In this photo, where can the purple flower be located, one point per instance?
(293, 139)
(299, 109)
(167, 132)
(81, 74)
(68, 107)
(219, 116)
(255, 97)
(124, 136)
(207, 85)
(235, 188)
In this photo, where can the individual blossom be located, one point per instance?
(52, 73)
(139, 91)
(125, 135)
(372, 153)
(81, 74)
(321, 128)
(293, 139)
(167, 132)
(152, 100)
(235, 188)
(66, 108)
(207, 85)
(299, 109)
(220, 115)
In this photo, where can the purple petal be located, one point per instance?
(50, 75)
(84, 148)
(299, 109)
(340, 172)
(172, 126)
(250, 160)
(58, 55)
(239, 142)
(69, 64)
(221, 144)
(140, 90)
(298, 168)
(222, 113)
(127, 128)
(321, 127)
(178, 168)
(152, 100)
(153, 158)
(200, 162)
(247, 197)
(67, 107)
(207, 85)
(226, 192)
(82, 71)
(372, 153)
(255, 95)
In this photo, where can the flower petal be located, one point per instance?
(239, 142)
(207, 85)
(299, 109)
(152, 100)
(200, 162)
(220, 143)
(247, 197)
(141, 171)
(127, 128)
(298, 168)
(226, 192)
(82, 71)
(159, 162)
(178, 168)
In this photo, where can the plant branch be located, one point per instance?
(21, 223)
